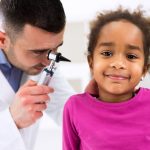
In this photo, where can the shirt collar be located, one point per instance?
(3, 59)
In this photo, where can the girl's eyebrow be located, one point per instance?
(129, 46)
(133, 47)
(106, 44)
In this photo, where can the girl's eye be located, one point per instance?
(107, 53)
(131, 56)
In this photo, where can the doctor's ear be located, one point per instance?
(2, 39)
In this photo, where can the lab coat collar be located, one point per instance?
(7, 93)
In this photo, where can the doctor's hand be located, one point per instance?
(29, 103)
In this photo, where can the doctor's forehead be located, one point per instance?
(40, 39)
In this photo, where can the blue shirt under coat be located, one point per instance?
(11, 73)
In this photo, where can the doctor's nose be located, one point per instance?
(118, 63)
(45, 62)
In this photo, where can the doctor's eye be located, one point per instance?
(39, 52)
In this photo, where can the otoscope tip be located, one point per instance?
(64, 59)
(59, 57)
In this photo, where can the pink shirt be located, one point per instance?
(90, 124)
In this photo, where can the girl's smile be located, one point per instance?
(116, 76)
(117, 63)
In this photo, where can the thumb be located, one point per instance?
(30, 83)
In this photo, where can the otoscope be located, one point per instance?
(48, 72)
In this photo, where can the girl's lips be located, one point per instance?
(117, 77)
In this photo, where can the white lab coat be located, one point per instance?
(10, 137)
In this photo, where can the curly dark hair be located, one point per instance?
(137, 18)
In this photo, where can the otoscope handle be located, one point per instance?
(45, 77)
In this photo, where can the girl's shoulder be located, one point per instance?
(145, 91)
(77, 98)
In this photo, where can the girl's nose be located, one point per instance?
(118, 63)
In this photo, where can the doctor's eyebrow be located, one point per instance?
(60, 44)
(46, 49)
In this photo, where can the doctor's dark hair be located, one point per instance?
(45, 14)
(137, 18)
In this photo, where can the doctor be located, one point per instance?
(29, 29)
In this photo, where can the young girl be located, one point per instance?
(118, 118)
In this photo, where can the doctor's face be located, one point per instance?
(28, 51)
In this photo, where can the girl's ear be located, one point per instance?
(90, 61)
(145, 70)
(2, 40)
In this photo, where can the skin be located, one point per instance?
(28, 52)
(117, 63)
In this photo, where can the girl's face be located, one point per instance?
(117, 63)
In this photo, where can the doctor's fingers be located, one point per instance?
(37, 107)
(36, 90)
(35, 99)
